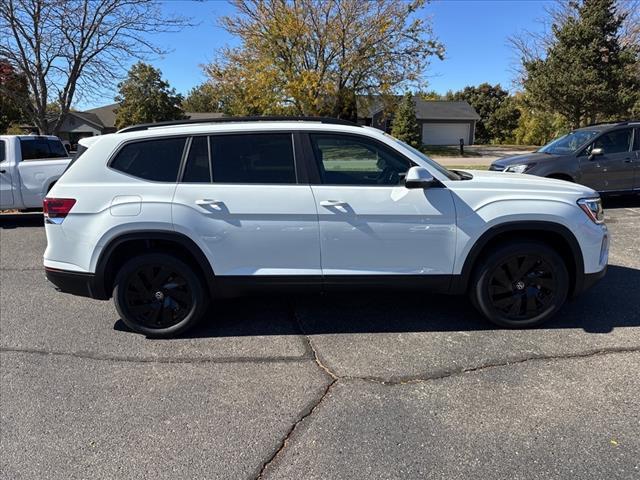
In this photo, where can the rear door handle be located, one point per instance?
(206, 202)
(3, 171)
(333, 203)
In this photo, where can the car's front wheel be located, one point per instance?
(159, 295)
(521, 284)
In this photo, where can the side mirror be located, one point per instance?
(418, 177)
(595, 152)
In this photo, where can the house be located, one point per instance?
(442, 122)
(102, 120)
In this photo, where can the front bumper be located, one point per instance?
(75, 283)
(590, 279)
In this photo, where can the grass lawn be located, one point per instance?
(467, 167)
(447, 152)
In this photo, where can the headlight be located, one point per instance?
(519, 168)
(593, 208)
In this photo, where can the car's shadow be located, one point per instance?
(16, 220)
(621, 201)
(610, 304)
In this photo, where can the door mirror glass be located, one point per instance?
(418, 177)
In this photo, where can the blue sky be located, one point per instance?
(474, 34)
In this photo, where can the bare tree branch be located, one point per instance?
(70, 49)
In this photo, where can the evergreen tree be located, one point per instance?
(14, 96)
(405, 125)
(202, 98)
(587, 74)
(144, 98)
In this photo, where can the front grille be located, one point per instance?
(496, 168)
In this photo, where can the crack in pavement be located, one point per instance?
(306, 413)
(487, 366)
(165, 360)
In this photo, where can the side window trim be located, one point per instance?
(316, 178)
(636, 140)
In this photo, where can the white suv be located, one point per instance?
(167, 217)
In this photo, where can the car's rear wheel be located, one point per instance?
(158, 295)
(520, 285)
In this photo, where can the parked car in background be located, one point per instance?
(604, 157)
(29, 166)
(168, 218)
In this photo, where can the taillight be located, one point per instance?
(56, 209)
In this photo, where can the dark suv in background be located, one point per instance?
(605, 157)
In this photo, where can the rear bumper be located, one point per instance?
(75, 283)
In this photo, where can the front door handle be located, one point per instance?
(3, 171)
(206, 202)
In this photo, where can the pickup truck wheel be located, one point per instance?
(520, 285)
(158, 295)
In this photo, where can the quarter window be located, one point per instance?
(254, 158)
(348, 160)
(157, 160)
(617, 141)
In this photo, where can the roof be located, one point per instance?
(105, 114)
(445, 110)
(89, 117)
(425, 109)
(608, 125)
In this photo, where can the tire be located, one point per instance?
(158, 295)
(520, 285)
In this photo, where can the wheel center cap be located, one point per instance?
(519, 285)
(159, 296)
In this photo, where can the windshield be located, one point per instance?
(447, 173)
(569, 143)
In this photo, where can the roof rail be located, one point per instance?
(615, 123)
(328, 120)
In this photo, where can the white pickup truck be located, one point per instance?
(29, 166)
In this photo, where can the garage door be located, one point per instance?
(445, 133)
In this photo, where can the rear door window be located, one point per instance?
(42, 149)
(198, 167)
(636, 142)
(3, 155)
(156, 160)
(253, 158)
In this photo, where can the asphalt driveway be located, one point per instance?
(396, 386)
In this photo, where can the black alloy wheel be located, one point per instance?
(522, 287)
(520, 284)
(159, 295)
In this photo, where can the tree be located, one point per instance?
(144, 98)
(587, 72)
(202, 98)
(68, 49)
(313, 57)
(11, 110)
(537, 127)
(405, 125)
(498, 113)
